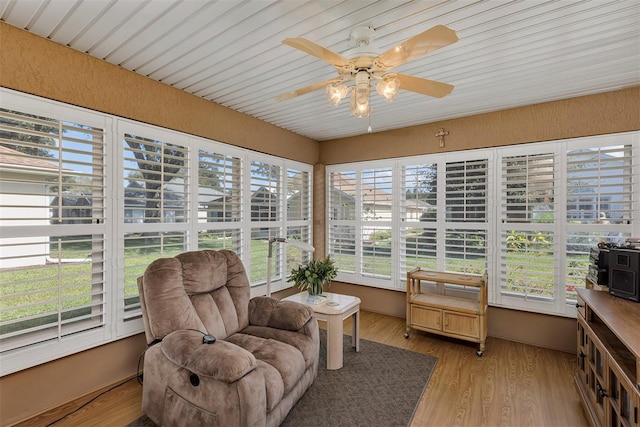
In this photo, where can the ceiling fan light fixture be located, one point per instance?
(360, 95)
(388, 87)
(336, 93)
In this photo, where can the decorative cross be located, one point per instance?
(441, 134)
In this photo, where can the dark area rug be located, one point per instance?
(379, 386)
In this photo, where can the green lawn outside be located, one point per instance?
(39, 294)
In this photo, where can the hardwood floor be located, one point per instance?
(512, 384)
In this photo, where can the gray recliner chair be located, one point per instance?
(263, 358)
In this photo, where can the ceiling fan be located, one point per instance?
(365, 65)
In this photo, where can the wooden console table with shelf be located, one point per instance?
(608, 346)
(457, 313)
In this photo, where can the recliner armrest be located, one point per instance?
(221, 360)
(287, 315)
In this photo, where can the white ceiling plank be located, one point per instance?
(79, 19)
(165, 25)
(92, 40)
(207, 43)
(21, 13)
(129, 25)
(168, 48)
(510, 53)
(50, 16)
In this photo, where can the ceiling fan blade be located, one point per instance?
(306, 89)
(313, 48)
(424, 86)
(428, 41)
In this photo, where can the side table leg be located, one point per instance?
(355, 334)
(334, 342)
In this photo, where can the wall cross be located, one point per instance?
(441, 134)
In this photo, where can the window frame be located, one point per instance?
(116, 325)
(562, 304)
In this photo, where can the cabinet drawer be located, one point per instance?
(426, 317)
(461, 324)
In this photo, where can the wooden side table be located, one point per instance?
(334, 310)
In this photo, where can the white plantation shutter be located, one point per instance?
(527, 214)
(376, 200)
(341, 205)
(298, 195)
(266, 201)
(88, 201)
(219, 187)
(466, 186)
(419, 214)
(295, 256)
(52, 213)
(528, 188)
(601, 187)
(155, 206)
(298, 216)
(155, 173)
(465, 250)
(266, 192)
(466, 191)
(599, 181)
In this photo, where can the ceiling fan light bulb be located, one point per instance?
(359, 109)
(362, 93)
(335, 93)
(388, 87)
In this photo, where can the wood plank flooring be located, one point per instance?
(512, 384)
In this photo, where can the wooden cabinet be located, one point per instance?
(451, 304)
(608, 362)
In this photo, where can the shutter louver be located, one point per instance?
(219, 188)
(156, 195)
(419, 209)
(599, 184)
(52, 284)
(341, 219)
(466, 191)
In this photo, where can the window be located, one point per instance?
(88, 200)
(342, 219)
(52, 212)
(386, 217)
(602, 187)
(155, 203)
(375, 222)
(553, 202)
(466, 215)
(419, 206)
(527, 237)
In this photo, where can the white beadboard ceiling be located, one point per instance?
(510, 53)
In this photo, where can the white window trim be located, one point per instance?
(115, 127)
(560, 305)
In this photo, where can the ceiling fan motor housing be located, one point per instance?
(362, 36)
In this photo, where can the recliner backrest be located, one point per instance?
(203, 290)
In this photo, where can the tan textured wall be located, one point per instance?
(604, 113)
(32, 391)
(38, 66)
(555, 332)
(41, 67)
